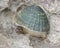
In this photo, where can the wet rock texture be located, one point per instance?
(9, 38)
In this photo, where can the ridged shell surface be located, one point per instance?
(34, 18)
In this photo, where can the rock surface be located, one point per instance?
(10, 39)
(3, 4)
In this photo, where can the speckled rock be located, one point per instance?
(10, 39)
(3, 4)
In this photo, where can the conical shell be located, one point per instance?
(33, 18)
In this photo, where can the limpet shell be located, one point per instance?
(34, 21)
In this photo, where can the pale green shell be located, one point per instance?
(34, 18)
